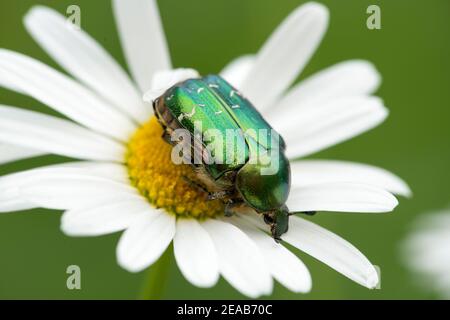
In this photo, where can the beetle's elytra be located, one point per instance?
(239, 182)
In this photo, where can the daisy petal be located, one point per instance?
(86, 60)
(311, 172)
(237, 70)
(10, 153)
(7, 83)
(283, 264)
(66, 188)
(195, 254)
(163, 80)
(109, 217)
(345, 79)
(16, 205)
(12, 200)
(330, 123)
(142, 38)
(331, 250)
(240, 260)
(63, 95)
(145, 240)
(110, 171)
(53, 135)
(285, 54)
(341, 197)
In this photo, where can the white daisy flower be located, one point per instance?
(125, 179)
(426, 251)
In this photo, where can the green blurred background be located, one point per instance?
(411, 51)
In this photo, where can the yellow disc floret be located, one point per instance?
(165, 184)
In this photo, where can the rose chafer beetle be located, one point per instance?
(240, 181)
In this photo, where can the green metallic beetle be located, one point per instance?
(214, 104)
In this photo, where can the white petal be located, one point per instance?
(109, 217)
(145, 240)
(53, 135)
(331, 250)
(341, 197)
(427, 249)
(429, 252)
(345, 79)
(434, 221)
(7, 83)
(64, 95)
(283, 264)
(142, 38)
(163, 80)
(327, 124)
(107, 170)
(195, 254)
(285, 54)
(9, 153)
(311, 172)
(12, 200)
(66, 188)
(240, 260)
(237, 70)
(16, 205)
(86, 60)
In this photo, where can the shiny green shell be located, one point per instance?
(214, 104)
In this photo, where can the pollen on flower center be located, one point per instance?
(165, 184)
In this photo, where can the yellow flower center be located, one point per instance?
(165, 184)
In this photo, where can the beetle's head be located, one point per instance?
(264, 192)
(278, 220)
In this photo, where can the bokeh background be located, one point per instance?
(411, 51)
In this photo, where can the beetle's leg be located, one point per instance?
(272, 230)
(196, 185)
(218, 195)
(229, 212)
(230, 208)
(166, 137)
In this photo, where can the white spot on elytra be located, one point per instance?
(236, 106)
(186, 115)
(201, 105)
(213, 86)
(190, 115)
(232, 92)
(218, 112)
(169, 97)
(200, 90)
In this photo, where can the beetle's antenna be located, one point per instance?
(308, 213)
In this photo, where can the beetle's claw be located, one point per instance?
(278, 239)
(228, 213)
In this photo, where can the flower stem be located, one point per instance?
(156, 278)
